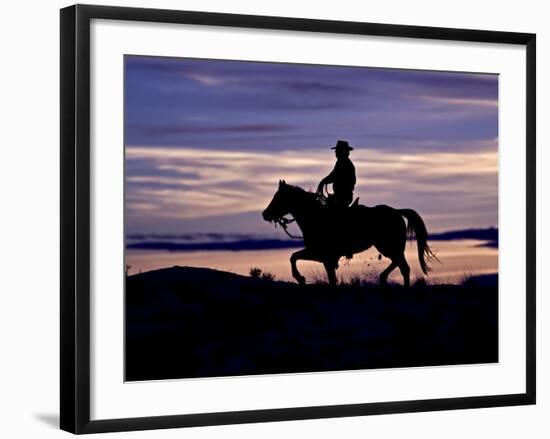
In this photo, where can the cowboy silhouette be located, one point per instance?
(342, 177)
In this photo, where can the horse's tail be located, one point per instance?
(416, 227)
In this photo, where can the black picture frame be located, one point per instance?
(75, 217)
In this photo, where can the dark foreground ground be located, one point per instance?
(186, 322)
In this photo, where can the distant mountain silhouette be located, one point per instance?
(184, 322)
(237, 242)
(245, 244)
(488, 234)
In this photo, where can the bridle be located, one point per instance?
(284, 222)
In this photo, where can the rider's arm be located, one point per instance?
(327, 180)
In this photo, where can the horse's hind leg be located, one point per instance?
(331, 272)
(406, 272)
(384, 275)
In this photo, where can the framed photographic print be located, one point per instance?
(268, 218)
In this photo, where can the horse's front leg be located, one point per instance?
(304, 254)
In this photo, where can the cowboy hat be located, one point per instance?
(342, 145)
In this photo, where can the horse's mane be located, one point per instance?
(309, 196)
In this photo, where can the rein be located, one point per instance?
(284, 222)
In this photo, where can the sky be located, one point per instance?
(207, 141)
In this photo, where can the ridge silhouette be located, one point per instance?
(330, 233)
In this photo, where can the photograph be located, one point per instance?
(284, 218)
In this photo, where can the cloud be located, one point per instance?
(190, 129)
(288, 82)
(192, 183)
(217, 135)
(206, 79)
(219, 104)
(468, 102)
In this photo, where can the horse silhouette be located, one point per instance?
(331, 233)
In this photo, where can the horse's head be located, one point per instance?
(279, 205)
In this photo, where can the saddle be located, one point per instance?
(330, 202)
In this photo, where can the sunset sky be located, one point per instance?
(207, 141)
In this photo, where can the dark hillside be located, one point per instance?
(184, 322)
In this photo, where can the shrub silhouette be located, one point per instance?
(255, 272)
(258, 273)
(266, 275)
